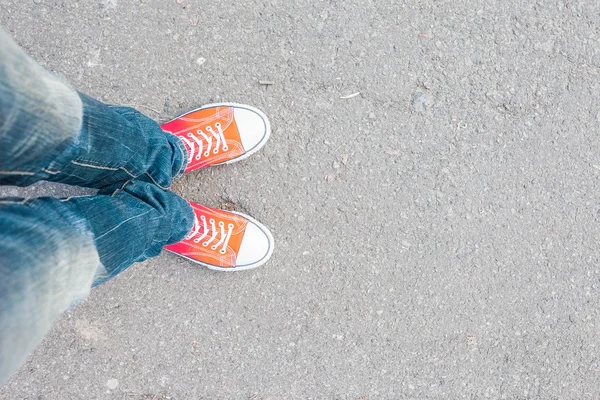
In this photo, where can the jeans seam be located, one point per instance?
(51, 172)
(93, 166)
(156, 183)
(17, 173)
(13, 202)
(120, 189)
(75, 197)
(86, 164)
(129, 173)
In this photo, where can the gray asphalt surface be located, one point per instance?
(436, 235)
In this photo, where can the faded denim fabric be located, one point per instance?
(52, 251)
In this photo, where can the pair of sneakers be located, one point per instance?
(219, 134)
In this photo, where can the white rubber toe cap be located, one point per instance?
(256, 247)
(253, 126)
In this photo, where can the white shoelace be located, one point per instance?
(211, 227)
(196, 145)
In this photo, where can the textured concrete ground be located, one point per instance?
(437, 233)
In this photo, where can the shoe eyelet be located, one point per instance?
(230, 226)
(213, 247)
(222, 251)
(218, 124)
(204, 244)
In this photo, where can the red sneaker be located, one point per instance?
(220, 133)
(225, 241)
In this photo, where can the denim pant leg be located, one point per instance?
(49, 131)
(53, 251)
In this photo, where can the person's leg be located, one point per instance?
(49, 131)
(53, 251)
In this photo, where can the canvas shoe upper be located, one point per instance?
(224, 240)
(220, 133)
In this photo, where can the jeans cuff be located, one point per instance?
(184, 157)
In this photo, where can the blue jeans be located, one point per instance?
(52, 251)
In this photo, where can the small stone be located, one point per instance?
(200, 60)
(108, 3)
(112, 384)
(37, 1)
(544, 46)
(336, 165)
(461, 253)
(421, 102)
(596, 60)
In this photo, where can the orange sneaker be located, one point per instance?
(220, 133)
(225, 241)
